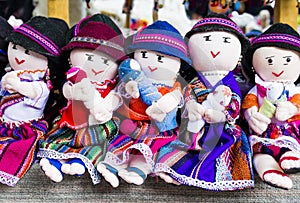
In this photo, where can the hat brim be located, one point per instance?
(158, 48)
(114, 53)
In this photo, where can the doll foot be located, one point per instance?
(277, 179)
(52, 169)
(109, 173)
(74, 167)
(290, 162)
(133, 175)
(167, 178)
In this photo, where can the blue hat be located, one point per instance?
(160, 37)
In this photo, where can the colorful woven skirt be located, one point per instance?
(143, 140)
(89, 144)
(211, 159)
(18, 145)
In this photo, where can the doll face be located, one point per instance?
(24, 59)
(157, 66)
(276, 64)
(97, 65)
(214, 51)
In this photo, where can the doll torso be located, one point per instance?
(20, 108)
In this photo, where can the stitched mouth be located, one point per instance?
(97, 72)
(214, 55)
(19, 61)
(277, 75)
(152, 69)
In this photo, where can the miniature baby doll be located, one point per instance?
(33, 53)
(130, 72)
(218, 156)
(78, 140)
(271, 107)
(159, 50)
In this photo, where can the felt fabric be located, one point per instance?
(218, 157)
(160, 37)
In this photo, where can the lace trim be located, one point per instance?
(285, 141)
(8, 179)
(52, 154)
(143, 148)
(220, 185)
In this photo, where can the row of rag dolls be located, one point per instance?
(86, 100)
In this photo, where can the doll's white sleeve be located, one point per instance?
(42, 95)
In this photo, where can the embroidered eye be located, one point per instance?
(226, 39)
(270, 60)
(90, 57)
(27, 52)
(144, 54)
(207, 37)
(105, 61)
(14, 46)
(159, 58)
(288, 60)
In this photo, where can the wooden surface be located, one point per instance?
(286, 11)
(59, 9)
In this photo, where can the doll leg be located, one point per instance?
(290, 162)
(270, 172)
(167, 178)
(73, 167)
(137, 171)
(52, 169)
(109, 173)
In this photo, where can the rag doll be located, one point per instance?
(34, 55)
(158, 51)
(271, 107)
(78, 139)
(216, 154)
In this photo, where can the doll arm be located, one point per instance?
(12, 83)
(285, 110)
(164, 105)
(257, 121)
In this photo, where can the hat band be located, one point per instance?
(41, 39)
(160, 38)
(217, 21)
(97, 41)
(277, 38)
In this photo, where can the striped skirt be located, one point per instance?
(143, 139)
(89, 144)
(212, 159)
(18, 145)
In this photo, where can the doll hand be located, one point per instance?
(11, 82)
(257, 121)
(285, 110)
(155, 112)
(101, 113)
(214, 116)
(132, 89)
(195, 110)
(81, 91)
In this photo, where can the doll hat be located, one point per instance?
(219, 22)
(43, 35)
(278, 35)
(97, 32)
(160, 37)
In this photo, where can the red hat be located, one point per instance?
(98, 36)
